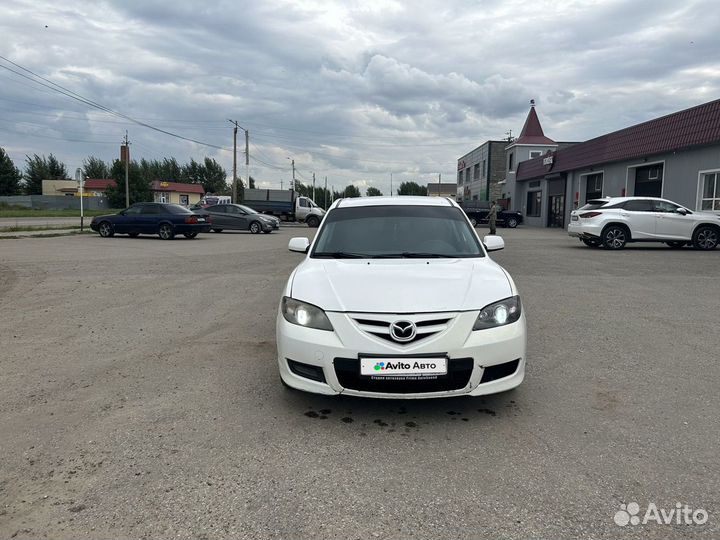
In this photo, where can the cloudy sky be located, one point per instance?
(351, 90)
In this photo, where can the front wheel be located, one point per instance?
(675, 244)
(312, 222)
(512, 222)
(255, 227)
(105, 229)
(615, 237)
(592, 242)
(166, 232)
(706, 238)
(190, 234)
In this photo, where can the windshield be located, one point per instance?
(396, 232)
(247, 209)
(177, 209)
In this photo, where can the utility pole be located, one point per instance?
(247, 157)
(313, 191)
(325, 206)
(281, 184)
(439, 183)
(234, 181)
(125, 154)
(391, 189)
(292, 187)
(79, 176)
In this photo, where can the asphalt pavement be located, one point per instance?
(139, 398)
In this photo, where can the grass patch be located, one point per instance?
(28, 212)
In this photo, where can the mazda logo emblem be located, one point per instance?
(403, 331)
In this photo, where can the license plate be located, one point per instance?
(402, 367)
(201, 220)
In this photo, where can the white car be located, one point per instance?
(398, 298)
(612, 222)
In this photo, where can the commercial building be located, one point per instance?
(675, 156)
(176, 192)
(480, 172)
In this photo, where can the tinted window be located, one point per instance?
(134, 210)
(641, 205)
(303, 202)
(152, 209)
(246, 209)
(219, 209)
(175, 209)
(665, 206)
(396, 231)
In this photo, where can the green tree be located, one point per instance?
(10, 175)
(94, 167)
(215, 177)
(412, 188)
(139, 185)
(42, 168)
(351, 191)
(373, 192)
(252, 183)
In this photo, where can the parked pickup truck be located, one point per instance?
(285, 204)
(477, 212)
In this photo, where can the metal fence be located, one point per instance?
(54, 202)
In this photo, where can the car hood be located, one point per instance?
(400, 285)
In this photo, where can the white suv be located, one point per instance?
(614, 221)
(397, 297)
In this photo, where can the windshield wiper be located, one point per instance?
(341, 255)
(413, 255)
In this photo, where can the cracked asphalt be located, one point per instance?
(139, 398)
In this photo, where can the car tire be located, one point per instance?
(105, 229)
(511, 222)
(312, 222)
(473, 222)
(133, 234)
(166, 231)
(217, 230)
(592, 242)
(615, 237)
(190, 235)
(706, 237)
(676, 244)
(255, 227)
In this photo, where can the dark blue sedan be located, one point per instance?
(165, 220)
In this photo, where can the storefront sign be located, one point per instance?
(549, 161)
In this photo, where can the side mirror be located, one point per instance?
(494, 243)
(682, 211)
(299, 244)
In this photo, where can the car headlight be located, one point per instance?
(499, 314)
(304, 314)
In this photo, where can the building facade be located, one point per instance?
(480, 172)
(676, 157)
(176, 192)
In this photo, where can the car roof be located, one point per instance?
(400, 200)
(615, 200)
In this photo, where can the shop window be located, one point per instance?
(476, 171)
(534, 202)
(467, 175)
(593, 186)
(511, 163)
(484, 169)
(710, 192)
(185, 200)
(535, 153)
(460, 178)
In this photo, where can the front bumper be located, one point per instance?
(473, 357)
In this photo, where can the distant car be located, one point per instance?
(163, 219)
(240, 218)
(477, 212)
(613, 222)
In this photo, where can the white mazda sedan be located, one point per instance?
(398, 298)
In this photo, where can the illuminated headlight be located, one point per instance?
(499, 314)
(304, 314)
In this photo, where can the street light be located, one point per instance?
(292, 186)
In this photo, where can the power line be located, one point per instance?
(73, 95)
